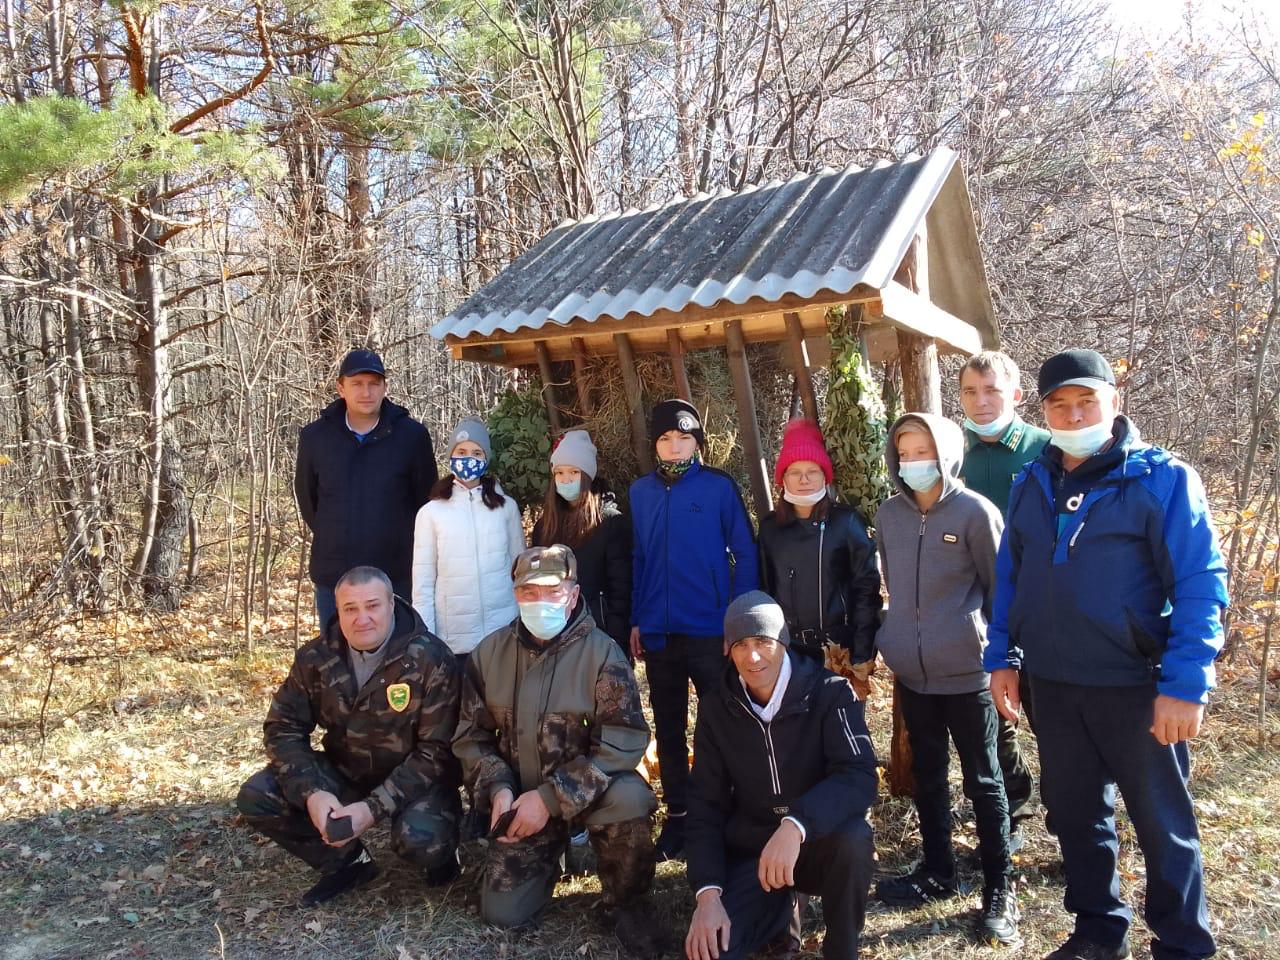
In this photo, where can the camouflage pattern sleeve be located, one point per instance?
(476, 743)
(287, 732)
(619, 737)
(430, 761)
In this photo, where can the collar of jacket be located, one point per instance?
(407, 625)
(1011, 437)
(1138, 460)
(805, 675)
(580, 624)
(336, 413)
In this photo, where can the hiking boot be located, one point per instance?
(998, 921)
(916, 888)
(446, 873)
(670, 844)
(640, 932)
(1078, 948)
(354, 874)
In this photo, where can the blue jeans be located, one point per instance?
(1093, 740)
(326, 605)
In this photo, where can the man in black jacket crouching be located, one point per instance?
(783, 774)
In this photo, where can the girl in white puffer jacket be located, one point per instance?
(465, 540)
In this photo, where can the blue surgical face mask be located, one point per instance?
(993, 429)
(919, 475)
(543, 618)
(570, 489)
(468, 468)
(1084, 442)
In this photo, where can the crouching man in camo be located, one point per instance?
(550, 736)
(385, 691)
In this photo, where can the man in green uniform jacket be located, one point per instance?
(998, 443)
(385, 691)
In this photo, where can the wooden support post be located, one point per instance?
(800, 365)
(676, 348)
(749, 426)
(548, 385)
(585, 408)
(921, 380)
(631, 382)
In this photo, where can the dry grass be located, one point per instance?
(118, 838)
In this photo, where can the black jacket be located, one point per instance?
(814, 762)
(824, 576)
(360, 499)
(604, 572)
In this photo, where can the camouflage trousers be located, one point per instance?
(520, 877)
(425, 832)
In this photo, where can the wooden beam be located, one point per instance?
(548, 385)
(690, 317)
(914, 312)
(676, 346)
(585, 407)
(921, 380)
(757, 471)
(800, 366)
(631, 383)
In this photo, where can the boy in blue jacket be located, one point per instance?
(692, 553)
(1109, 590)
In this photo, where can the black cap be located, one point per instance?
(361, 361)
(676, 415)
(1082, 368)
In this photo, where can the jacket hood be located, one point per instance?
(408, 624)
(947, 437)
(390, 413)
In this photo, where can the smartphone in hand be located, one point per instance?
(504, 823)
(338, 828)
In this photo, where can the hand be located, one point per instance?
(709, 928)
(319, 805)
(1176, 720)
(777, 868)
(499, 804)
(531, 816)
(637, 648)
(1004, 691)
(361, 820)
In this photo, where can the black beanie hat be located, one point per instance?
(676, 415)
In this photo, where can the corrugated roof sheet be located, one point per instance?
(826, 231)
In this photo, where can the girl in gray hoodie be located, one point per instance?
(937, 545)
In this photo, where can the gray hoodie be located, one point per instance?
(939, 568)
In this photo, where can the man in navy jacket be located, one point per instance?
(783, 774)
(364, 468)
(1109, 590)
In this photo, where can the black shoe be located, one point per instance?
(640, 932)
(998, 921)
(1016, 840)
(447, 872)
(918, 887)
(670, 844)
(355, 874)
(579, 857)
(1078, 948)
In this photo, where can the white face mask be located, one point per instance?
(804, 499)
(919, 475)
(1084, 442)
(993, 429)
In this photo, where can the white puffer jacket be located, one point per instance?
(462, 556)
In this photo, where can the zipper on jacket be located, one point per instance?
(774, 779)
(924, 517)
(666, 565)
(791, 581)
(822, 600)
(475, 549)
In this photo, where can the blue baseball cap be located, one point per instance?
(361, 361)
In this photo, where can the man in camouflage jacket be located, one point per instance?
(385, 691)
(552, 730)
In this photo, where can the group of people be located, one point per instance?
(1072, 574)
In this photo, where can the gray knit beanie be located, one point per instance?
(473, 429)
(755, 614)
(576, 450)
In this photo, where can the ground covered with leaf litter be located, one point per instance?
(123, 741)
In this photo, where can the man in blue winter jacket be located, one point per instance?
(1109, 591)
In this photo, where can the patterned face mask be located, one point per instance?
(468, 468)
(673, 470)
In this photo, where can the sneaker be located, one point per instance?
(1078, 948)
(354, 874)
(918, 887)
(998, 920)
(670, 844)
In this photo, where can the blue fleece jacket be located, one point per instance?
(1131, 589)
(684, 536)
